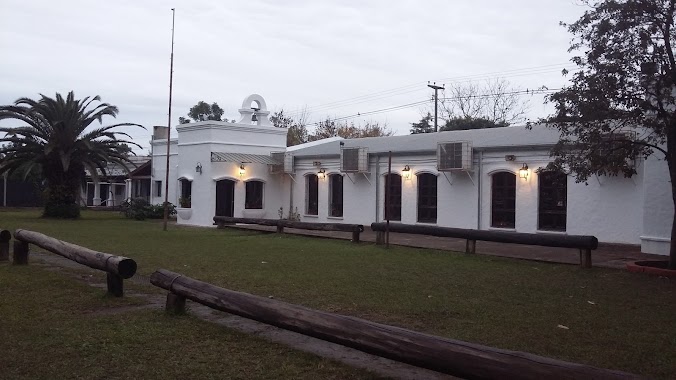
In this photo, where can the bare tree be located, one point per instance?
(493, 100)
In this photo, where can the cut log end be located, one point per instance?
(127, 268)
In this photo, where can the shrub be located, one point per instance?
(140, 209)
(185, 202)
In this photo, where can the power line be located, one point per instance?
(418, 87)
(409, 105)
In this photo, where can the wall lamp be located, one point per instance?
(322, 173)
(242, 170)
(406, 172)
(523, 172)
(198, 168)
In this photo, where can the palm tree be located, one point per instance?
(56, 143)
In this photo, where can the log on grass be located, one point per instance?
(118, 265)
(292, 224)
(231, 220)
(546, 240)
(323, 226)
(466, 360)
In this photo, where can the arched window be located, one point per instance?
(392, 205)
(336, 195)
(254, 195)
(427, 198)
(186, 193)
(552, 200)
(311, 194)
(503, 200)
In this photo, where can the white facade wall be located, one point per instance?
(658, 207)
(610, 208)
(194, 145)
(158, 171)
(636, 210)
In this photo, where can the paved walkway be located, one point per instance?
(607, 255)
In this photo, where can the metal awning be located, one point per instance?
(244, 158)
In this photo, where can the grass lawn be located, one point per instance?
(54, 327)
(615, 319)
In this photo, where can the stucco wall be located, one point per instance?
(159, 157)
(194, 145)
(658, 211)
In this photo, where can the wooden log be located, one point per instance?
(546, 240)
(115, 284)
(292, 224)
(20, 253)
(380, 237)
(355, 236)
(119, 265)
(175, 304)
(585, 258)
(324, 226)
(458, 358)
(470, 246)
(5, 237)
(231, 220)
(280, 228)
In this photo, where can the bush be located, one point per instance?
(140, 209)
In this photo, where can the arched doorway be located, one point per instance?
(225, 198)
(503, 200)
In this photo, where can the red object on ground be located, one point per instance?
(658, 268)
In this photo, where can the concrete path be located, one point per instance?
(607, 255)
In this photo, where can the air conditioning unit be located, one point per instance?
(288, 163)
(453, 156)
(354, 160)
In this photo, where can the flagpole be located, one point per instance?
(171, 80)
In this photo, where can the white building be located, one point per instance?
(473, 179)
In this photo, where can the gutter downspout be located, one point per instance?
(478, 185)
(377, 186)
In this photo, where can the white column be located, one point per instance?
(128, 184)
(97, 193)
(110, 201)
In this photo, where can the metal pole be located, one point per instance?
(171, 80)
(387, 199)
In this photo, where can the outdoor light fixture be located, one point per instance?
(406, 172)
(322, 173)
(523, 172)
(198, 168)
(242, 170)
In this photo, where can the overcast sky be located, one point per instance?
(337, 58)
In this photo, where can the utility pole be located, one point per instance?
(171, 80)
(436, 100)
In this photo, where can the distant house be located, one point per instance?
(119, 184)
(489, 179)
